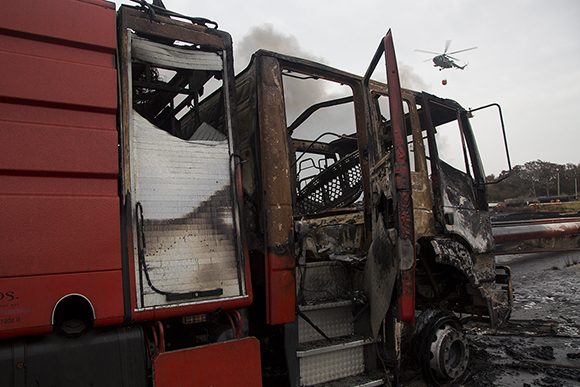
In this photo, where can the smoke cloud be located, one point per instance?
(410, 79)
(300, 94)
(268, 38)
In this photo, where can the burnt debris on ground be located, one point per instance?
(540, 345)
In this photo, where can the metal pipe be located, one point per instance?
(536, 229)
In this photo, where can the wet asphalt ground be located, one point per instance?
(540, 345)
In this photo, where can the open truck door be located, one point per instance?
(391, 255)
(392, 251)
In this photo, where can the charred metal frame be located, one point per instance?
(402, 193)
(312, 109)
(163, 28)
(276, 170)
(476, 268)
(505, 142)
(320, 71)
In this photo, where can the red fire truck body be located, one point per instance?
(60, 203)
(64, 249)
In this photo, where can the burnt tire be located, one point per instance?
(441, 347)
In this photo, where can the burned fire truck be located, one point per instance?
(164, 223)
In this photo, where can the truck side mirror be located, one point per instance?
(470, 115)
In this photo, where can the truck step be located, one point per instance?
(325, 305)
(333, 318)
(363, 380)
(327, 360)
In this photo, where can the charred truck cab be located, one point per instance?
(348, 203)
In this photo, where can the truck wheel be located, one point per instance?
(443, 351)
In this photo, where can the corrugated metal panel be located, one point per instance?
(173, 57)
(184, 188)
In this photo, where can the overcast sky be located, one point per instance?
(528, 56)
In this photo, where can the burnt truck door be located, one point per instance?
(392, 251)
(458, 178)
(184, 248)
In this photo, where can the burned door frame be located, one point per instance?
(420, 179)
(164, 29)
(275, 169)
(393, 242)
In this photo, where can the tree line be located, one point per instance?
(535, 179)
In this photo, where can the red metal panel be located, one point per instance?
(231, 363)
(19, 45)
(402, 179)
(91, 23)
(57, 186)
(52, 81)
(57, 116)
(31, 147)
(59, 207)
(282, 289)
(43, 234)
(30, 308)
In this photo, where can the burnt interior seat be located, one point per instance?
(337, 186)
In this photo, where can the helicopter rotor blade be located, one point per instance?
(428, 52)
(447, 43)
(428, 60)
(466, 49)
(451, 57)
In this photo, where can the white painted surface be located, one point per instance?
(173, 57)
(184, 188)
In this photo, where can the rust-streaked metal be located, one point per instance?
(277, 199)
(537, 235)
(403, 190)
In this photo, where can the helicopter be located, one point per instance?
(445, 60)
